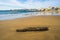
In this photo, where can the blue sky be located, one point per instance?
(29, 4)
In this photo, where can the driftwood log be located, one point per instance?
(32, 29)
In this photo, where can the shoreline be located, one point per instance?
(28, 17)
(53, 20)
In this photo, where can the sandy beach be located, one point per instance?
(8, 28)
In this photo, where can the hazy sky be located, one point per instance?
(18, 4)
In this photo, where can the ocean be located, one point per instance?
(11, 16)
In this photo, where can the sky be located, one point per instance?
(27, 4)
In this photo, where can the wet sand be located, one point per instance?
(8, 28)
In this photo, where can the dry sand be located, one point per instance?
(8, 28)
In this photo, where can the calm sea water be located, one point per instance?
(9, 16)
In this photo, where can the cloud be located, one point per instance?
(18, 4)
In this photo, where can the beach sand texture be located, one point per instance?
(8, 28)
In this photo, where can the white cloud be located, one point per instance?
(14, 4)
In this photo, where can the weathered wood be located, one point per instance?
(32, 29)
